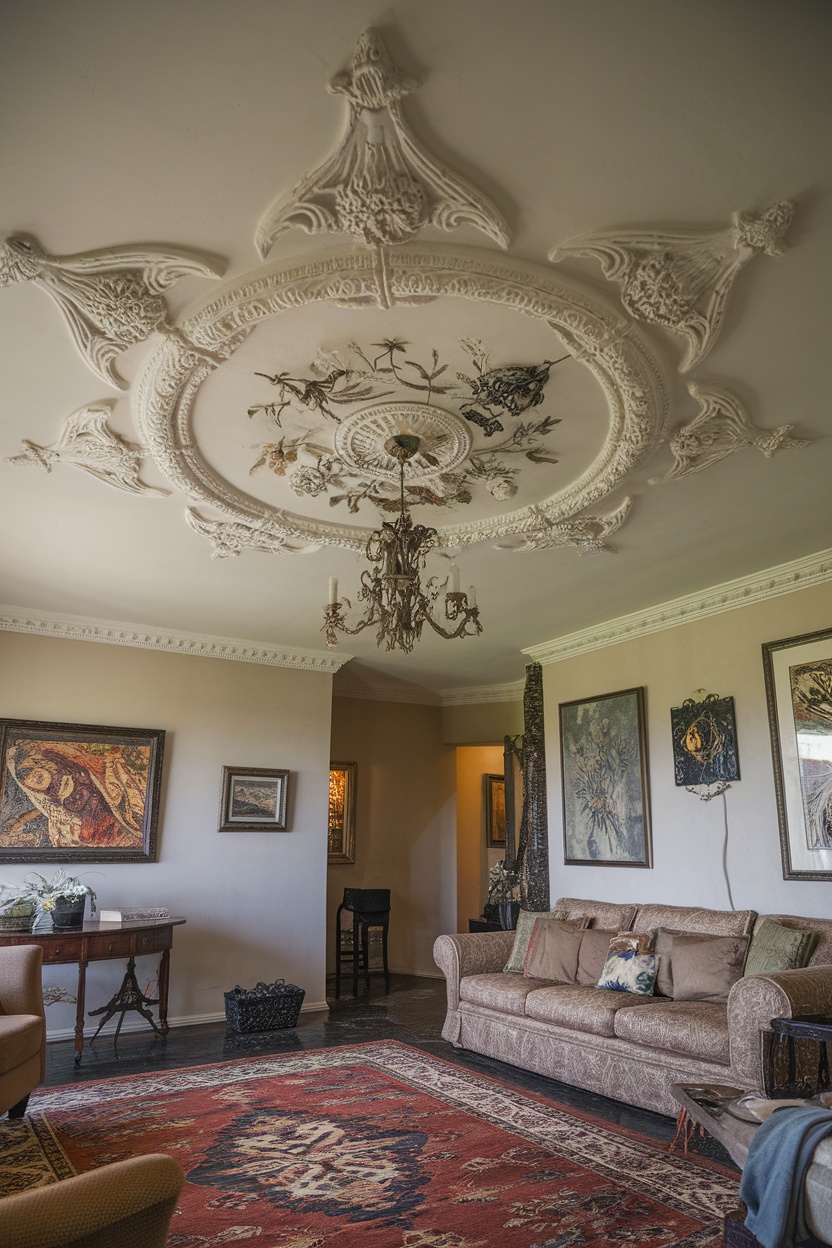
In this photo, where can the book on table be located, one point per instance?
(133, 914)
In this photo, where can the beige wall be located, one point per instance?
(482, 723)
(473, 858)
(254, 902)
(721, 655)
(405, 823)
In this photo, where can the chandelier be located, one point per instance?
(397, 604)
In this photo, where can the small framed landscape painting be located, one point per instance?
(78, 792)
(798, 675)
(253, 799)
(606, 811)
(495, 811)
(341, 819)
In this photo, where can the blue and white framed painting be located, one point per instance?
(606, 808)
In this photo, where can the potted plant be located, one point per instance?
(63, 897)
(17, 911)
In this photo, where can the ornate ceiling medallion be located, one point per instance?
(444, 441)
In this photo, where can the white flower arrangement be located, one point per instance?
(46, 892)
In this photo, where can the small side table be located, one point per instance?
(483, 925)
(816, 1027)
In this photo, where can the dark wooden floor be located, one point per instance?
(412, 1013)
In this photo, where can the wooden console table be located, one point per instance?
(96, 942)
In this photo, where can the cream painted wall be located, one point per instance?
(482, 722)
(473, 858)
(721, 655)
(254, 902)
(405, 824)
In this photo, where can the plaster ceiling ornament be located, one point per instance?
(380, 186)
(87, 443)
(721, 428)
(230, 538)
(586, 534)
(681, 280)
(110, 298)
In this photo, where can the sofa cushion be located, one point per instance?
(606, 914)
(581, 1009)
(21, 1037)
(699, 1029)
(553, 951)
(595, 945)
(499, 990)
(705, 968)
(525, 923)
(778, 948)
(695, 919)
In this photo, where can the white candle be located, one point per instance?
(472, 595)
(453, 573)
(333, 589)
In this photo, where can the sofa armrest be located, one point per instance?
(471, 953)
(21, 989)
(754, 1001)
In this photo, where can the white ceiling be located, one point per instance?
(175, 124)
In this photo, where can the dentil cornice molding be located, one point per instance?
(200, 645)
(481, 694)
(783, 579)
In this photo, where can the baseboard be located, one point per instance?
(139, 1024)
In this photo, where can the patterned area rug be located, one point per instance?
(383, 1146)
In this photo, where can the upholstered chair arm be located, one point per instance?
(125, 1205)
(470, 954)
(754, 1001)
(21, 991)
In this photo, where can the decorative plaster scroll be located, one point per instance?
(87, 443)
(78, 628)
(681, 280)
(587, 534)
(615, 351)
(380, 186)
(759, 587)
(444, 440)
(231, 537)
(110, 298)
(722, 427)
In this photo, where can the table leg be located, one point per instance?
(164, 980)
(79, 1012)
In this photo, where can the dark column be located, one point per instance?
(533, 850)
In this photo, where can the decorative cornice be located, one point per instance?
(478, 694)
(783, 579)
(201, 645)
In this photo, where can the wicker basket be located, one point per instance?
(17, 917)
(265, 1007)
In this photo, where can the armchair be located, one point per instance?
(22, 1027)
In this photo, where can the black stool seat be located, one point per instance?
(370, 907)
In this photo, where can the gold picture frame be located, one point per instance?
(341, 819)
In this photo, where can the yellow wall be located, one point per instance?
(473, 858)
(722, 655)
(405, 823)
(254, 901)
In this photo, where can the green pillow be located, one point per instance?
(525, 922)
(778, 948)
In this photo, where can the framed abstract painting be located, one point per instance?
(79, 792)
(341, 818)
(798, 676)
(606, 810)
(494, 794)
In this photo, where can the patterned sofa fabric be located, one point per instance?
(699, 1028)
(607, 914)
(579, 1008)
(695, 919)
(504, 991)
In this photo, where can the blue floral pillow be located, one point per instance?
(628, 971)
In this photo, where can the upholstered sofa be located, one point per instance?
(622, 1045)
(22, 1026)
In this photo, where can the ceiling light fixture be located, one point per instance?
(397, 604)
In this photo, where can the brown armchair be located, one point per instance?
(125, 1205)
(22, 1027)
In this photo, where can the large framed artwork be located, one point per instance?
(798, 675)
(341, 820)
(253, 799)
(494, 793)
(79, 792)
(606, 810)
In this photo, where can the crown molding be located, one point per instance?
(783, 579)
(202, 645)
(511, 692)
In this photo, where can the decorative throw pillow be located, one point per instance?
(525, 923)
(639, 942)
(705, 968)
(629, 972)
(663, 949)
(778, 948)
(553, 951)
(593, 954)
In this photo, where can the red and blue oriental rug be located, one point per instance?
(378, 1145)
